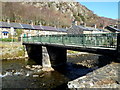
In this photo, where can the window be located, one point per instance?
(5, 34)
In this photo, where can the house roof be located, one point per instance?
(75, 30)
(4, 24)
(5, 32)
(30, 27)
(79, 29)
(112, 29)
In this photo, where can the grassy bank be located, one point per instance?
(11, 50)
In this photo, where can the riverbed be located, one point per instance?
(24, 73)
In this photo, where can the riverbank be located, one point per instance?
(105, 74)
(15, 50)
(11, 50)
(104, 77)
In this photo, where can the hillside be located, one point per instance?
(52, 14)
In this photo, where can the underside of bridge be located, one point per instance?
(57, 54)
(34, 52)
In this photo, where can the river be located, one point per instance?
(24, 73)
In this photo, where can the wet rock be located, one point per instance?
(48, 69)
(42, 75)
(35, 75)
(88, 63)
(6, 74)
(28, 67)
(18, 73)
(32, 69)
(40, 70)
(27, 74)
(37, 66)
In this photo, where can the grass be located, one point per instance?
(8, 40)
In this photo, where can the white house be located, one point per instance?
(4, 33)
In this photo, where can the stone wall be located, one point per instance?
(104, 77)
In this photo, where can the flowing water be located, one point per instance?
(27, 74)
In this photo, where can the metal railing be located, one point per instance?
(108, 40)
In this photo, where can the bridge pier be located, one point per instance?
(47, 56)
(58, 56)
(34, 52)
(46, 59)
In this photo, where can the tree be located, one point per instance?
(19, 32)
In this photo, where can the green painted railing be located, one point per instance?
(108, 40)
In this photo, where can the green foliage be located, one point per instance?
(47, 13)
(8, 40)
(73, 52)
(101, 25)
(82, 17)
(19, 32)
(77, 18)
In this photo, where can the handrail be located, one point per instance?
(108, 40)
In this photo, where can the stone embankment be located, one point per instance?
(104, 77)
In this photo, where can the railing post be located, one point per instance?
(83, 39)
(62, 39)
(118, 46)
(27, 37)
(49, 38)
(40, 37)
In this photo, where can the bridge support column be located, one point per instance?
(46, 59)
(58, 56)
(35, 53)
(118, 47)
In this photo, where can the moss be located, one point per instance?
(73, 52)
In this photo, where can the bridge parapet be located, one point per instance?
(107, 40)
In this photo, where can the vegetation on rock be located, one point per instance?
(52, 14)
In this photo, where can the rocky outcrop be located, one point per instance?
(58, 14)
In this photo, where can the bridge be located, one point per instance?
(57, 45)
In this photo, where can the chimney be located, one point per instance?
(118, 26)
(31, 22)
(73, 22)
(95, 26)
(8, 20)
(76, 23)
(40, 24)
(84, 24)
